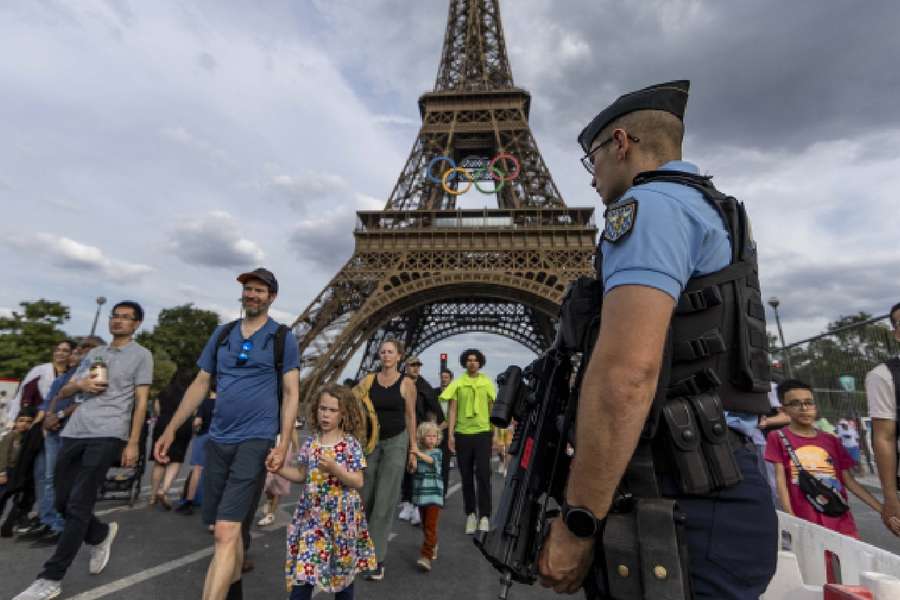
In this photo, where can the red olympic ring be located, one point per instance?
(509, 176)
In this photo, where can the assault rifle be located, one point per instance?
(542, 401)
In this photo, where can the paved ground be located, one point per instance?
(165, 555)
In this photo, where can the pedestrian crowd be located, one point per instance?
(234, 420)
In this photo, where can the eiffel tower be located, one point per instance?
(424, 270)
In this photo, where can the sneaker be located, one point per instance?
(185, 508)
(424, 563)
(34, 533)
(28, 526)
(416, 518)
(100, 553)
(471, 523)
(406, 511)
(484, 524)
(376, 574)
(51, 539)
(267, 519)
(41, 589)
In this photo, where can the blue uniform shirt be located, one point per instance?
(246, 395)
(676, 235)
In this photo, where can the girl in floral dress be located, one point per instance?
(328, 539)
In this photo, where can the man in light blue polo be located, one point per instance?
(682, 326)
(241, 446)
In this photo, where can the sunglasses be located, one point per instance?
(244, 355)
(415, 364)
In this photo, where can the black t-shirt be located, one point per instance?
(427, 403)
(390, 407)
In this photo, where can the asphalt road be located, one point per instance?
(165, 555)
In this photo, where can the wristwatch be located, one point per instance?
(60, 414)
(580, 521)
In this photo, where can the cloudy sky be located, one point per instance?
(152, 150)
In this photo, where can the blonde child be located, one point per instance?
(328, 539)
(502, 440)
(428, 489)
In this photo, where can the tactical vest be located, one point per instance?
(717, 336)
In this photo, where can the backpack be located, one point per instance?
(361, 391)
(277, 348)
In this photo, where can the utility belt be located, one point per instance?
(644, 544)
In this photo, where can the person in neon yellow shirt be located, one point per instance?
(471, 397)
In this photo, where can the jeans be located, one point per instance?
(44, 466)
(80, 470)
(473, 456)
(381, 488)
(304, 592)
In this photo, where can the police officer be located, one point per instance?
(662, 236)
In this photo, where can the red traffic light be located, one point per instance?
(443, 357)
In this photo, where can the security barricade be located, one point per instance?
(812, 556)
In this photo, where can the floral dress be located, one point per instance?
(328, 538)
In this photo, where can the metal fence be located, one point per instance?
(835, 364)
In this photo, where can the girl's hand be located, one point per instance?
(329, 465)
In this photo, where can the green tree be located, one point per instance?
(177, 340)
(27, 338)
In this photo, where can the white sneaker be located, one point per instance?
(267, 519)
(100, 553)
(415, 518)
(405, 511)
(471, 523)
(41, 589)
(484, 524)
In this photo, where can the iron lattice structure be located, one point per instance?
(423, 271)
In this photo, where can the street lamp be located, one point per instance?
(100, 302)
(774, 302)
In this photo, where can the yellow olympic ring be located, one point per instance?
(449, 172)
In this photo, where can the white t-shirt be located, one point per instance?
(881, 397)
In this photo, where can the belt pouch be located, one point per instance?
(685, 444)
(720, 461)
(621, 556)
(663, 557)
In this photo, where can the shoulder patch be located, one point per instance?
(620, 220)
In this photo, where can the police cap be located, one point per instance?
(671, 97)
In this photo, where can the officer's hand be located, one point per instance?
(565, 559)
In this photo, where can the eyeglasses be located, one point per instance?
(805, 404)
(587, 161)
(415, 364)
(121, 317)
(244, 356)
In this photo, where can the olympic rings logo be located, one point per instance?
(474, 170)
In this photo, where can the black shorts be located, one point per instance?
(232, 479)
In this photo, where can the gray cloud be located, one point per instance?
(214, 240)
(68, 254)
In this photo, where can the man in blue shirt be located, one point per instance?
(659, 236)
(244, 425)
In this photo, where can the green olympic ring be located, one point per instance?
(491, 170)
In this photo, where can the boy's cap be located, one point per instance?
(264, 275)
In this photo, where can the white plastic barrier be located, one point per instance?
(801, 569)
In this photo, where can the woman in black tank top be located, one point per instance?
(394, 398)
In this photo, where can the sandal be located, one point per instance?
(163, 502)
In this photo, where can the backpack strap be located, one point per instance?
(278, 349)
(893, 365)
(220, 341)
